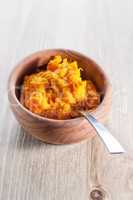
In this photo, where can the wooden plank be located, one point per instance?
(31, 170)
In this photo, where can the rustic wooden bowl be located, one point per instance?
(51, 130)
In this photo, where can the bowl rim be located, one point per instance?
(31, 56)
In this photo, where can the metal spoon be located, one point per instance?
(112, 145)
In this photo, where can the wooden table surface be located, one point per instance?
(32, 170)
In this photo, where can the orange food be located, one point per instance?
(59, 91)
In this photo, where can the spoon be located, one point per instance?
(112, 145)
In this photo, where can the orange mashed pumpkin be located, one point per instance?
(59, 91)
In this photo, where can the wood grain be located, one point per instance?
(31, 170)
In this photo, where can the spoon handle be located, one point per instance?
(110, 142)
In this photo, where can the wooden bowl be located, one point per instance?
(51, 130)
